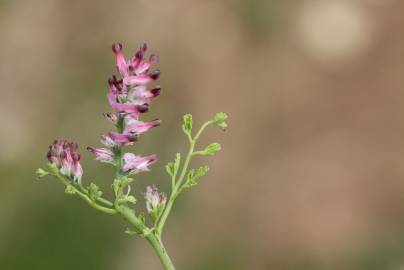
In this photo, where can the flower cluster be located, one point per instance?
(129, 97)
(64, 155)
(155, 200)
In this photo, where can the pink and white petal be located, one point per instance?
(137, 163)
(129, 108)
(141, 79)
(102, 154)
(138, 127)
(77, 171)
(107, 141)
(122, 139)
(121, 64)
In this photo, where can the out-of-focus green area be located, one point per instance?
(311, 173)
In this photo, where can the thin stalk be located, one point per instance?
(157, 244)
(176, 190)
(84, 196)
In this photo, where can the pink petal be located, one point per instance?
(129, 108)
(122, 139)
(121, 64)
(137, 163)
(138, 127)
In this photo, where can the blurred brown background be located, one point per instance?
(311, 173)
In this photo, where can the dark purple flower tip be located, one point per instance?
(90, 149)
(133, 138)
(143, 108)
(154, 58)
(156, 91)
(49, 155)
(116, 47)
(74, 146)
(63, 154)
(157, 122)
(155, 74)
(141, 52)
(76, 157)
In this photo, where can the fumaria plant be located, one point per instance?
(129, 98)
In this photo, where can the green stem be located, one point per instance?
(174, 193)
(176, 190)
(152, 237)
(84, 196)
(100, 199)
(157, 244)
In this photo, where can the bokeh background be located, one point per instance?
(311, 173)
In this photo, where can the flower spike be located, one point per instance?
(64, 155)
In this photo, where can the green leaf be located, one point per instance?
(116, 186)
(94, 192)
(187, 126)
(157, 211)
(126, 181)
(41, 173)
(195, 175)
(53, 168)
(170, 168)
(130, 199)
(131, 232)
(212, 149)
(177, 162)
(222, 126)
(142, 217)
(70, 190)
(218, 120)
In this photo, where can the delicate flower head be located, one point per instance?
(102, 154)
(130, 95)
(136, 127)
(64, 154)
(115, 139)
(154, 199)
(135, 164)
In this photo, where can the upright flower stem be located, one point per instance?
(174, 192)
(153, 237)
(179, 183)
(157, 244)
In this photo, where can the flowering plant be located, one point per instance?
(129, 98)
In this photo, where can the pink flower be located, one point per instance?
(154, 198)
(115, 139)
(134, 126)
(64, 154)
(141, 79)
(135, 70)
(112, 117)
(121, 64)
(136, 164)
(102, 154)
(129, 97)
(141, 95)
(130, 108)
